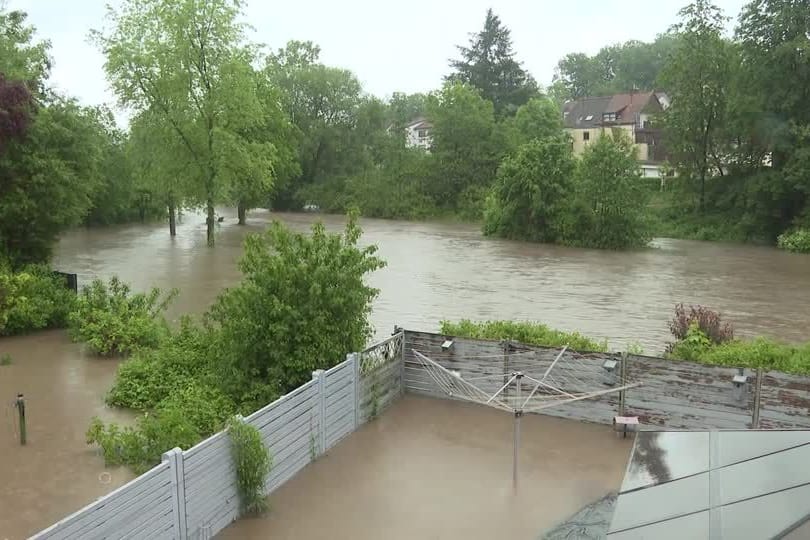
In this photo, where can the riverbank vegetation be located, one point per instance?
(523, 332)
(701, 335)
(32, 298)
(112, 320)
(301, 305)
(217, 119)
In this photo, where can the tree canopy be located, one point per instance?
(186, 63)
(489, 65)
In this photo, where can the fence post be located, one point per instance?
(320, 376)
(355, 360)
(757, 399)
(623, 377)
(178, 476)
(402, 360)
(505, 346)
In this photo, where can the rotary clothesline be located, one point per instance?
(562, 382)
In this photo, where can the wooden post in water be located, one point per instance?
(21, 411)
(757, 399)
(623, 377)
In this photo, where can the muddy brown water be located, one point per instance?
(434, 272)
(434, 468)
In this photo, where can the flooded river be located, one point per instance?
(435, 271)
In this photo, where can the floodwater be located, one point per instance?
(435, 271)
(434, 468)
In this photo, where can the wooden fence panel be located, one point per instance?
(686, 395)
(785, 401)
(673, 394)
(475, 358)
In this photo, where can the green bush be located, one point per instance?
(525, 332)
(252, 462)
(797, 241)
(153, 375)
(182, 420)
(111, 319)
(302, 304)
(608, 206)
(32, 299)
(754, 353)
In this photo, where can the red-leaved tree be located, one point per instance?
(16, 104)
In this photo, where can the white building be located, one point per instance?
(418, 134)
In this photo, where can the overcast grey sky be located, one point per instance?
(390, 46)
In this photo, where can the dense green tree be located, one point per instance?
(774, 37)
(50, 149)
(489, 64)
(186, 63)
(22, 58)
(322, 103)
(614, 69)
(302, 303)
(538, 118)
(394, 185)
(120, 196)
(467, 148)
(609, 202)
(530, 196)
(47, 180)
(697, 80)
(403, 108)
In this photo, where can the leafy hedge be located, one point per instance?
(183, 420)
(31, 299)
(111, 319)
(797, 241)
(530, 333)
(152, 375)
(754, 353)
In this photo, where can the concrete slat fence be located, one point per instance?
(193, 494)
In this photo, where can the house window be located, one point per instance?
(586, 135)
(589, 118)
(422, 133)
(609, 117)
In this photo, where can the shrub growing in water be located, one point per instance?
(183, 420)
(609, 204)
(111, 319)
(152, 375)
(32, 298)
(525, 332)
(797, 241)
(302, 304)
(709, 322)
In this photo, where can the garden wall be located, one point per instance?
(192, 493)
(673, 394)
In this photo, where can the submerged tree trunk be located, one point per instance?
(210, 221)
(241, 211)
(172, 218)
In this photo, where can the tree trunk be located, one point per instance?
(702, 189)
(172, 219)
(241, 212)
(210, 221)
